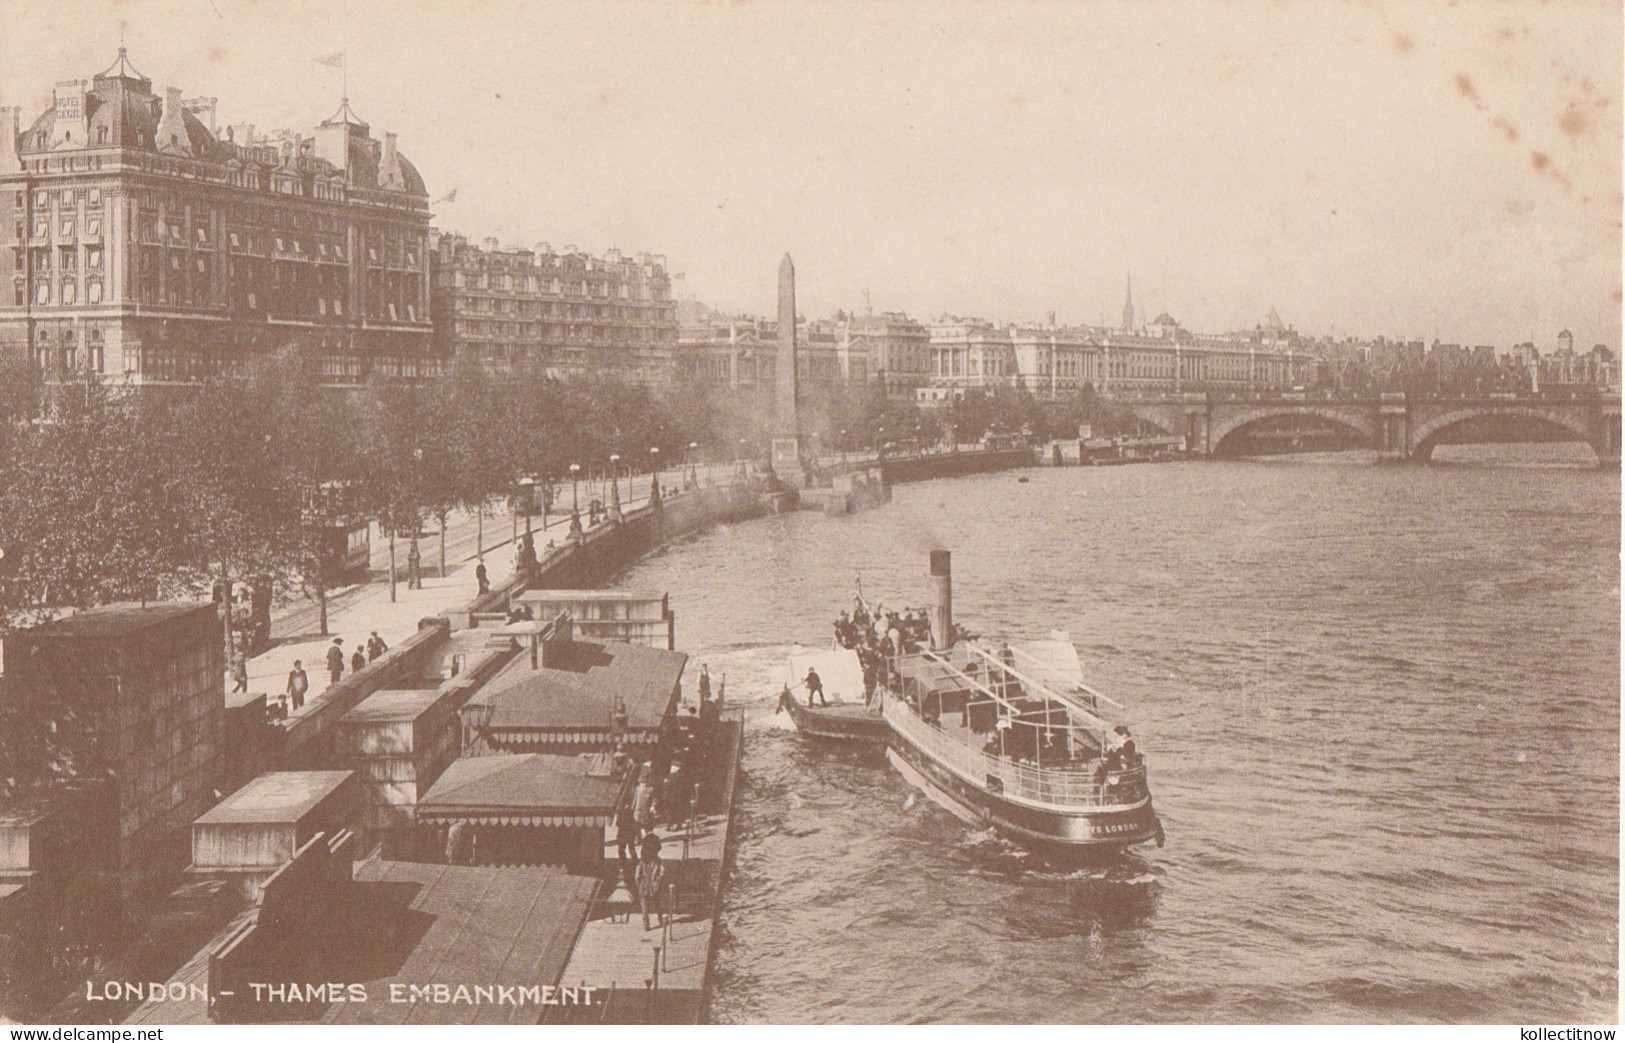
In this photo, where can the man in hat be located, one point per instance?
(298, 685)
(815, 686)
(626, 845)
(335, 660)
(651, 877)
(643, 801)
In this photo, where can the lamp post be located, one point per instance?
(843, 448)
(575, 500)
(654, 473)
(527, 499)
(614, 474)
(414, 557)
(880, 445)
(693, 472)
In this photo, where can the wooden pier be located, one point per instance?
(662, 976)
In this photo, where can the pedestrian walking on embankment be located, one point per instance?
(298, 685)
(335, 660)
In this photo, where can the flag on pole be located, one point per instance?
(449, 197)
(332, 61)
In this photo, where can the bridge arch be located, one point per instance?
(1358, 422)
(1429, 433)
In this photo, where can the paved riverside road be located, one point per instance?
(354, 612)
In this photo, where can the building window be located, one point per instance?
(96, 193)
(70, 292)
(93, 227)
(40, 198)
(252, 302)
(338, 306)
(93, 291)
(202, 234)
(98, 362)
(42, 293)
(93, 257)
(42, 229)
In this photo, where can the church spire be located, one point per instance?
(1128, 305)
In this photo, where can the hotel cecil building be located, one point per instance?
(144, 246)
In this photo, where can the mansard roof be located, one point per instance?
(121, 111)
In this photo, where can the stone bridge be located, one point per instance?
(1398, 425)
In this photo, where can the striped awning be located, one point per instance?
(441, 815)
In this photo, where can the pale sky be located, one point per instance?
(1405, 169)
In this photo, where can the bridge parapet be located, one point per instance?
(1395, 423)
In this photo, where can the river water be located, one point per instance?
(1380, 711)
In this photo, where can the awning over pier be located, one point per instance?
(525, 789)
(570, 700)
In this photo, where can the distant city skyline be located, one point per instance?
(1404, 171)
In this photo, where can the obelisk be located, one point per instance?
(787, 426)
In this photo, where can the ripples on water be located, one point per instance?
(1381, 712)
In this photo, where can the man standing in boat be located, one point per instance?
(815, 686)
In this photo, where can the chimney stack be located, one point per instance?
(9, 163)
(942, 594)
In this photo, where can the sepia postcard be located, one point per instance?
(938, 512)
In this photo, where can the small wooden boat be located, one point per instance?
(849, 715)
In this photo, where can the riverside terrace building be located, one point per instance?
(572, 312)
(1059, 361)
(148, 247)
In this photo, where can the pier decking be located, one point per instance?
(616, 956)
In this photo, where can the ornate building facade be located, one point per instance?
(147, 248)
(571, 312)
(1056, 362)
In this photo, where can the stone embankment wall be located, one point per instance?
(949, 465)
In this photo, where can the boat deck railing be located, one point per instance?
(1068, 785)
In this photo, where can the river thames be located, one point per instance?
(1380, 708)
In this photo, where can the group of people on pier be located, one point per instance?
(667, 791)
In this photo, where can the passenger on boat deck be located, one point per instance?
(815, 686)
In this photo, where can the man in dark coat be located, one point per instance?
(335, 660)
